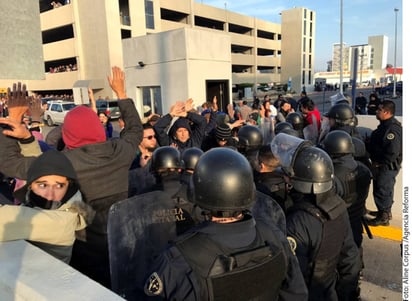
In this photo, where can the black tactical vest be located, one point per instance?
(255, 273)
(324, 263)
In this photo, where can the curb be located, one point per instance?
(387, 232)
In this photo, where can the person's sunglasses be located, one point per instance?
(150, 137)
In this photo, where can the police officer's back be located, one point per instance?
(269, 180)
(233, 256)
(166, 166)
(318, 226)
(353, 178)
(342, 117)
(250, 140)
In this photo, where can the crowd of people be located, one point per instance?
(63, 68)
(259, 202)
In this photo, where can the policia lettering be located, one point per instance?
(168, 215)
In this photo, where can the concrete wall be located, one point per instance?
(21, 53)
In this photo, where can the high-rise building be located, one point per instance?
(298, 47)
(336, 57)
(371, 56)
(379, 51)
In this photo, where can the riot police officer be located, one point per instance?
(318, 223)
(341, 116)
(269, 179)
(250, 140)
(140, 227)
(189, 158)
(280, 126)
(353, 178)
(297, 122)
(385, 149)
(222, 257)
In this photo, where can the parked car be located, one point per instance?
(110, 107)
(388, 89)
(56, 111)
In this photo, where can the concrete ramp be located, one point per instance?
(29, 273)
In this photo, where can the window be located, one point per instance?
(152, 97)
(149, 14)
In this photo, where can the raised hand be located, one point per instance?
(189, 105)
(36, 110)
(18, 101)
(116, 82)
(15, 128)
(92, 100)
(178, 109)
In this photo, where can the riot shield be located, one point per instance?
(139, 228)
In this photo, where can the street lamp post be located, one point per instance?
(394, 63)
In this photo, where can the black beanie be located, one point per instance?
(51, 162)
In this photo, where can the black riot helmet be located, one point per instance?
(337, 143)
(360, 148)
(282, 126)
(296, 120)
(165, 158)
(223, 181)
(291, 132)
(343, 114)
(190, 156)
(250, 138)
(312, 171)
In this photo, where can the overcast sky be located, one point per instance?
(361, 19)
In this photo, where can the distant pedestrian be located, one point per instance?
(360, 104)
(373, 104)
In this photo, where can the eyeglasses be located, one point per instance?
(150, 137)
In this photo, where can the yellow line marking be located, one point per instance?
(387, 232)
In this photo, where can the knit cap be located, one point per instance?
(223, 132)
(82, 126)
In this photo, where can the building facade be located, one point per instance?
(83, 39)
(298, 47)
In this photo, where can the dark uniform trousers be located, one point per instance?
(383, 187)
(385, 148)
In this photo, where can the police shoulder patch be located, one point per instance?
(390, 136)
(153, 285)
(292, 244)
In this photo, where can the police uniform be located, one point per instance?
(328, 257)
(205, 265)
(354, 180)
(273, 184)
(235, 256)
(385, 149)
